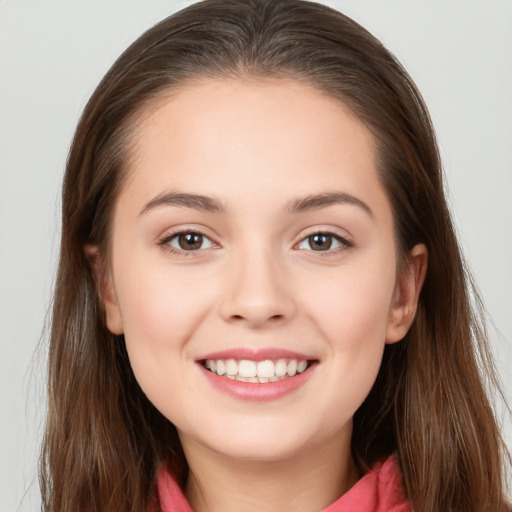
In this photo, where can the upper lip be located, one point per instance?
(256, 354)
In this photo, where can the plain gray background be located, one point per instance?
(52, 55)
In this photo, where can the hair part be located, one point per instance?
(104, 440)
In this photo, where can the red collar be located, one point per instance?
(380, 490)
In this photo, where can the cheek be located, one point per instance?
(354, 306)
(160, 310)
(353, 314)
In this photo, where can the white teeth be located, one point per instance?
(232, 367)
(292, 368)
(246, 379)
(265, 371)
(221, 367)
(246, 368)
(281, 368)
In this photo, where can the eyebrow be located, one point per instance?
(213, 205)
(317, 201)
(194, 201)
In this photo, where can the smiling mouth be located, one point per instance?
(261, 372)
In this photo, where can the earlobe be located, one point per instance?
(106, 293)
(406, 295)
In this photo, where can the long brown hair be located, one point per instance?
(104, 440)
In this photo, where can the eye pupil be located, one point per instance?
(320, 242)
(190, 241)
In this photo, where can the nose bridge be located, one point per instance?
(257, 290)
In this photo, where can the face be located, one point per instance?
(253, 267)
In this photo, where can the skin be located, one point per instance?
(256, 282)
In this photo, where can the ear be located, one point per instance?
(406, 294)
(105, 289)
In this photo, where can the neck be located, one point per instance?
(306, 482)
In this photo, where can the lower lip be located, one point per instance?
(255, 391)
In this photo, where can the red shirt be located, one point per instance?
(380, 490)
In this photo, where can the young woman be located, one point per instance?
(261, 303)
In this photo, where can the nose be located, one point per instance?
(259, 292)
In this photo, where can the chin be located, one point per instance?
(260, 441)
(258, 450)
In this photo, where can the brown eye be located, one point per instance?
(320, 242)
(324, 242)
(189, 241)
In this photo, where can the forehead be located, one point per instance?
(232, 138)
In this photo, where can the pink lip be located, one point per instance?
(258, 392)
(256, 354)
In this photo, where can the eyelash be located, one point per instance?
(164, 242)
(343, 241)
(166, 239)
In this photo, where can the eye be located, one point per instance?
(188, 241)
(324, 242)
